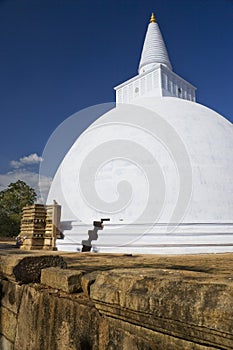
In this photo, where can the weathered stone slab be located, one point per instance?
(5, 344)
(8, 324)
(26, 268)
(47, 321)
(11, 294)
(118, 334)
(87, 280)
(184, 304)
(67, 280)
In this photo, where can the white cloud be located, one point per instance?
(31, 179)
(23, 171)
(31, 159)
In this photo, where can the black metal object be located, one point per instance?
(92, 234)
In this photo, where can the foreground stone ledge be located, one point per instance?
(115, 301)
(66, 280)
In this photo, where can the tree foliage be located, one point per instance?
(16, 196)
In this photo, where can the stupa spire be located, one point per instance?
(154, 51)
(155, 77)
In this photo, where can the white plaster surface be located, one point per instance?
(207, 223)
(157, 82)
(154, 51)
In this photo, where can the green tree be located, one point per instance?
(16, 196)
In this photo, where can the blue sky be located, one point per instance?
(60, 56)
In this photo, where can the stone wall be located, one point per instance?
(91, 301)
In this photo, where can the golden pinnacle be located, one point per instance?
(152, 19)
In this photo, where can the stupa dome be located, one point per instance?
(159, 165)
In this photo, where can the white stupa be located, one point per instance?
(159, 165)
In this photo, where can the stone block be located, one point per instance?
(87, 280)
(47, 321)
(5, 344)
(11, 295)
(26, 268)
(32, 244)
(8, 324)
(118, 334)
(182, 304)
(67, 280)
